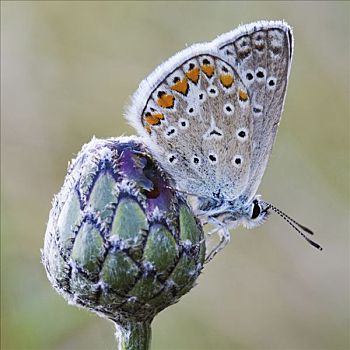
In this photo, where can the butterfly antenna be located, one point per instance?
(297, 227)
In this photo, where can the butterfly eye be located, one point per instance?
(256, 210)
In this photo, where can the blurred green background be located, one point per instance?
(67, 71)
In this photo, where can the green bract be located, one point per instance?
(120, 241)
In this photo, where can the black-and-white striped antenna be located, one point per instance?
(297, 227)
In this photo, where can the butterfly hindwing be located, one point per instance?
(198, 115)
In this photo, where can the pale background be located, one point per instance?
(68, 69)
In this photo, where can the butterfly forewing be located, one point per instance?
(262, 55)
(210, 113)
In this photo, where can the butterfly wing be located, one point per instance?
(195, 119)
(262, 55)
(199, 113)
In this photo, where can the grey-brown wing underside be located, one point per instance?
(210, 113)
(262, 55)
(198, 116)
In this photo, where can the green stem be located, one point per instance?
(134, 335)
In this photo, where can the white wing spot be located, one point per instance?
(196, 161)
(172, 159)
(183, 123)
(260, 73)
(190, 111)
(170, 132)
(249, 76)
(213, 158)
(229, 109)
(258, 110)
(207, 60)
(212, 91)
(276, 39)
(242, 134)
(191, 64)
(271, 83)
(237, 161)
(175, 77)
(202, 96)
(213, 132)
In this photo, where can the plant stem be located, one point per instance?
(134, 335)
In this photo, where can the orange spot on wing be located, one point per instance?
(260, 47)
(208, 70)
(154, 119)
(227, 80)
(243, 95)
(193, 75)
(147, 128)
(181, 86)
(166, 101)
(160, 116)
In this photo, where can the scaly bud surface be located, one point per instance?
(120, 241)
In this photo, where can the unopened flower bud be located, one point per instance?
(120, 241)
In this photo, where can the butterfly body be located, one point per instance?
(210, 115)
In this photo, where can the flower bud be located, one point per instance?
(120, 241)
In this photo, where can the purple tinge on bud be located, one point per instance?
(120, 240)
(141, 169)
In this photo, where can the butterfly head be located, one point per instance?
(256, 213)
(230, 214)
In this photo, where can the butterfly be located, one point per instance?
(209, 115)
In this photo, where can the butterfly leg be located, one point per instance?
(224, 235)
(211, 232)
